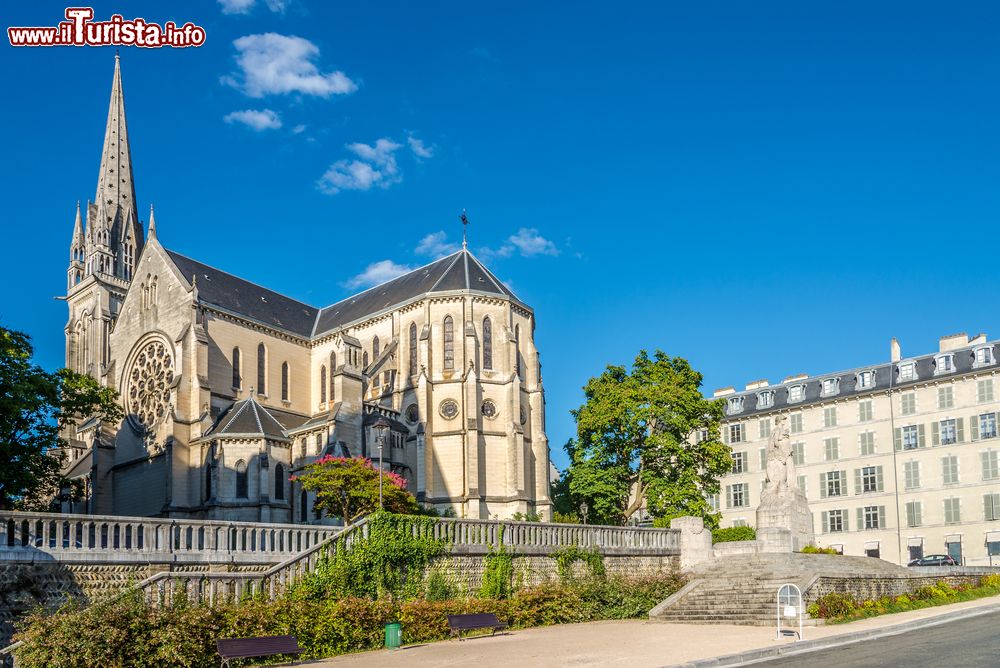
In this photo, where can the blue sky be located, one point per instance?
(762, 188)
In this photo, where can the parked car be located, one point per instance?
(934, 560)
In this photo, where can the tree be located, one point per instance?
(34, 407)
(347, 487)
(647, 437)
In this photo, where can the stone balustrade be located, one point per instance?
(27, 537)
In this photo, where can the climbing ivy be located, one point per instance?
(498, 572)
(566, 556)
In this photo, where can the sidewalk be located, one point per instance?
(631, 644)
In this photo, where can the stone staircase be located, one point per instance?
(742, 589)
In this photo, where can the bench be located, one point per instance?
(481, 620)
(246, 648)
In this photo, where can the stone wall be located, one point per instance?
(874, 587)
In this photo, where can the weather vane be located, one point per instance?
(465, 223)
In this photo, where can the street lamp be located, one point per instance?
(381, 426)
(583, 510)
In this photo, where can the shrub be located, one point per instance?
(813, 549)
(731, 534)
(566, 556)
(990, 580)
(438, 587)
(835, 604)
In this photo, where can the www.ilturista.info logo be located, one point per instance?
(80, 30)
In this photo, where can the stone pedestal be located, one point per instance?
(696, 541)
(784, 523)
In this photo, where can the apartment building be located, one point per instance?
(898, 460)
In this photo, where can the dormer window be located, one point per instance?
(831, 386)
(907, 371)
(796, 393)
(735, 405)
(944, 363)
(865, 380)
(984, 356)
(765, 399)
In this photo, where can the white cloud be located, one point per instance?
(436, 245)
(280, 64)
(418, 147)
(375, 165)
(299, 129)
(258, 119)
(529, 242)
(244, 6)
(377, 272)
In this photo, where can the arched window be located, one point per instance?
(333, 368)
(261, 369)
(284, 381)
(449, 343)
(279, 483)
(517, 349)
(487, 343)
(364, 361)
(242, 480)
(302, 446)
(319, 443)
(413, 349)
(304, 506)
(208, 480)
(375, 348)
(237, 377)
(322, 384)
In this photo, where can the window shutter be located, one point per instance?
(986, 464)
(897, 438)
(826, 521)
(861, 519)
(822, 484)
(847, 524)
(960, 429)
(878, 479)
(881, 517)
(729, 496)
(763, 459)
(921, 441)
(986, 507)
(974, 428)
(857, 481)
(725, 434)
(843, 482)
(935, 435)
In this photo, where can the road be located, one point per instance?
(967, 642)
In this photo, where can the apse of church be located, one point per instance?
(230, 388)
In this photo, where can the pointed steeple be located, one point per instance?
(152, 223)
(78, 229)
(114, 182)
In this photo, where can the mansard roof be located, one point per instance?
(456, 272)
(248, 418)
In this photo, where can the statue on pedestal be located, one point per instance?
(784, 522)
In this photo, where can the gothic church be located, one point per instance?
(230, 388)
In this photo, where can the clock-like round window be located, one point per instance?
(449, 409)
(147, 391)
(489, 409)
(412, 414)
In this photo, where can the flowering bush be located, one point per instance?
(348, 487)
(843, 607)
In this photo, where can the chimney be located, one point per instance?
(953, 342)
(721, 392)
(757, 384)
(792, 379)
(895, 354)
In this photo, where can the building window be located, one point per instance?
(944, 363)
(946, 397)
(908, 403)
(831, 448)
(990, 471)
(796, 423)
(735, 405)
(737, 496)
(913, 514)
(449, 343)
(304, 506)
(322, 384)
(799, 453)
(830, 416)
(869, 480)
(237, 377)
(910, 437)
(517, 350)
(831, 386)
(871, 517)
(907, 371)
(765, 399)
(739, 462)
(208, 480)
(764, 428)
(865, 411)
(987, 425)
(991, 507)
(801, 483)
(375, 348)
(796, 393)
(833, 483)
(319, 443)
(984, 390)
(413, 349)
(364, 360)
(911, 475)
(952, 511)
(834, 521)
(713, 502)
(949, 470)
(279, 483)
(866, 439)
(261, 369)
(284, 381)
(865, 380)
(302, 447)
(242, 480)
(948, 434)
(487, 343)
(333, 369)
(984, 356)
(736, 433)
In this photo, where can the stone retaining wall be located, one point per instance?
(870, 588)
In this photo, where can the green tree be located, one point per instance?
(347, 487)
(638, 442)
(34, 407)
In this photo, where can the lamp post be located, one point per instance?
(381, 426)
(583, 510)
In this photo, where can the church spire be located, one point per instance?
(114, 182)
(152, 223)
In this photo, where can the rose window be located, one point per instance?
(149, 379)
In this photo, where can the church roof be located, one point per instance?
(248, 418)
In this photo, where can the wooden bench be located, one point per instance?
(247, 648)
(481, 620)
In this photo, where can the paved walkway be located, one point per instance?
(631, 644)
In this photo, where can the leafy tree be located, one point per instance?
(347, 487)
(636, 443)
(34, 407)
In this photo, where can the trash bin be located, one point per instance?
(393, 635)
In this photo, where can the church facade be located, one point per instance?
(230, 388)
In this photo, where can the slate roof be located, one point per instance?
(925, 367)
(458, 271)
(248, 418)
